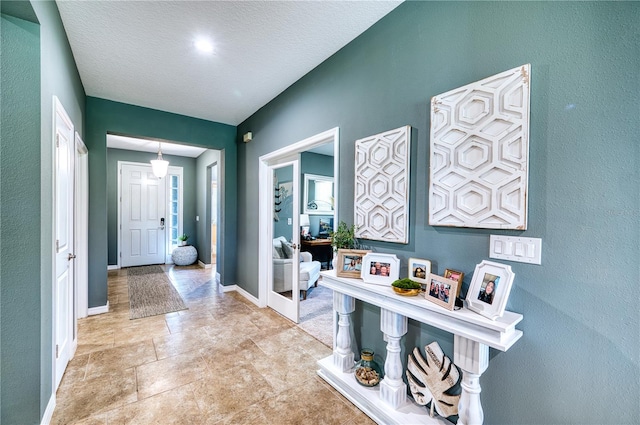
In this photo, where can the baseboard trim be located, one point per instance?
(243, 293)
(99, 310)
(48, 412)
(204, 266)
(114, 267)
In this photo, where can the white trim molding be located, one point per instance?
(242, 292)
(113, 267)
(99, 310)
(204, 266)
(48, 412)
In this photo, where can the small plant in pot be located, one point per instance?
(183, 239)
(343, 238)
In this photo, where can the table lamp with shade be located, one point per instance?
(305, 223)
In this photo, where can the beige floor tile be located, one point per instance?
(166, 374)
(90, 397)
(76, 370)
(140, 332)
(120, 358)
(291, 367)
(232, 329)
(305, 404)
(222, 356)
(176, 406)
(182, 342)
(224, 393)
(189, 321)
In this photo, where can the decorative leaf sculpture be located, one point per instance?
(434, 379)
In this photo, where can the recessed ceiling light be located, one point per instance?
(203, 45)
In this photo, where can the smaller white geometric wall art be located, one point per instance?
(479, 153)
(382, 186)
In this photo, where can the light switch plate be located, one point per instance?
(515, 248)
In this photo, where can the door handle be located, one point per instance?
(71, 257)
(294, 246)
(162, 223)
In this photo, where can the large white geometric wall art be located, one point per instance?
(480, 153)
(382, 186)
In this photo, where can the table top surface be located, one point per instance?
(316, 242)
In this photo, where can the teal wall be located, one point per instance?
(103, 116)
(20, 221)
(37, 64)
(578, 361)
(189, 196)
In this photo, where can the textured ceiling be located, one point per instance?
(141, 52)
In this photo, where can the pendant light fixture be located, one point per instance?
(159, 165)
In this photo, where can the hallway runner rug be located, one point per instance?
(151, 293)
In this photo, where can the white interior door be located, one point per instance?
(284, 289)
(142, 216)
(64, 239)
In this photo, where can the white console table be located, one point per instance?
(388, 403)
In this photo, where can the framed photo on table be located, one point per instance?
(455, 275)
(442, 291)
(349, 263)
(419, 271)
(380, 269)
(489, 289)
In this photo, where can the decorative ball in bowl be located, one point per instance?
(406, 287)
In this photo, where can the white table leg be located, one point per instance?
(473, 358)
(393, 390)
(344, 305)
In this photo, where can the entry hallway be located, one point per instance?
(222, 361)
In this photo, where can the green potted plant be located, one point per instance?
(183, 239)
(343, 238)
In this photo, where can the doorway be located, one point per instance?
(267, 164)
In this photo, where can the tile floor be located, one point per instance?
(222, 361)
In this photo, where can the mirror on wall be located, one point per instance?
(318, 194)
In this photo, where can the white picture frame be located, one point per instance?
(419, 270)
(487, 274)
(374, 265)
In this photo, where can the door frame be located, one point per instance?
(81, 230)
(173, 170)
(210, 213)
(265, 228)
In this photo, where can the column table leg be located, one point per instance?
(393, 390)
(344, 305)
(473, 358)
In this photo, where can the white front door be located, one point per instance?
(143, 234)
(284, 289)
(64, 224)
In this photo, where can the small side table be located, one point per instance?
(184, 255)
